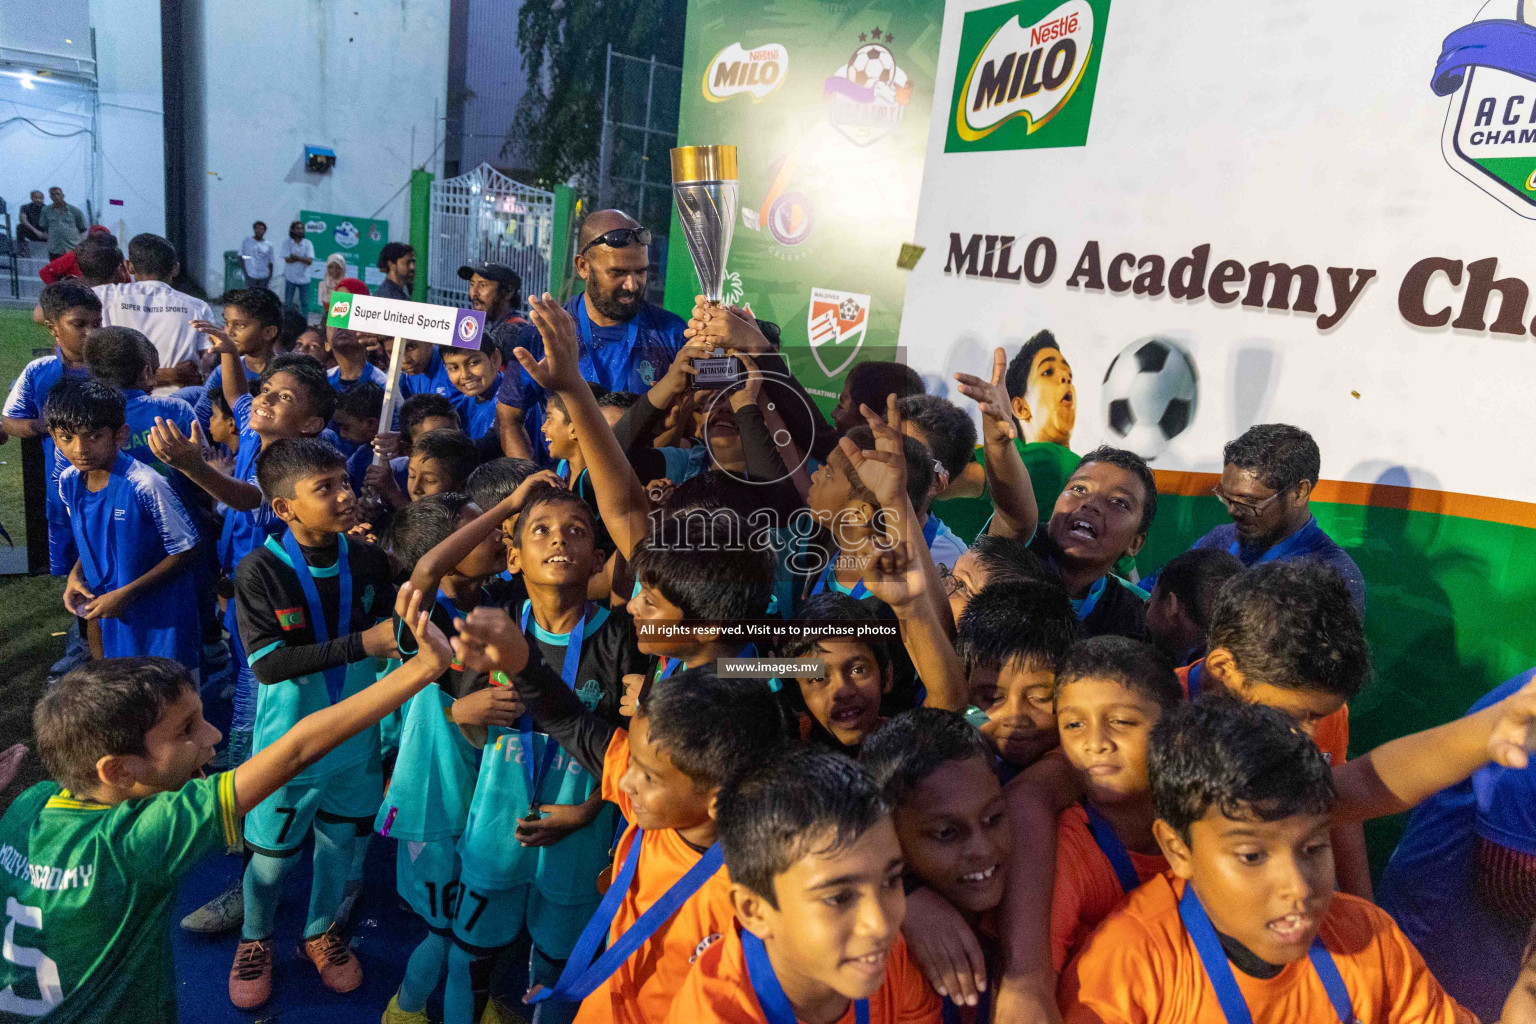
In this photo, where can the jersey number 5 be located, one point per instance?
(22, 956)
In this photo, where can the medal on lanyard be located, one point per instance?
(335, 678)
(535, 777)
(664, 668)
(770, 994)
(588, 350)
(582, 975)
(1294, 544)
(1203, 934)
(1110, 845)
(1091, 601)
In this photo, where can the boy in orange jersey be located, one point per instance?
(1246, 924)
(668, 894)
(817, 889)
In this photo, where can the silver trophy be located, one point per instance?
(704, 185)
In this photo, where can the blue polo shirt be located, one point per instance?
(626, 357)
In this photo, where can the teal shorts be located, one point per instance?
(427, 877)
(278, 825)
(490, 919)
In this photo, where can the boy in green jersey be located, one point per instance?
(89, 863)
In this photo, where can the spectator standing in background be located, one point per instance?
(29, 223)
(335, 270)
(297, 254)
(256, 257)
(398, 261)
(65, 224)
(161, 313)
(68, 265)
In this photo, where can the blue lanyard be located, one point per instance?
(827, 579)
(1195, 672)
(1297, 543)
(770, 994)
(582, 975)
(563, 470)
(1214, 959)
(1113, 849)
(1084, 608)
(665, 667)
(568, 672)
(335, 678)
(584, 325)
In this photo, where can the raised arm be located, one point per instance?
(620, 493)
(1006, 476)
(184, 453)
(440, 561)
(1402, 773)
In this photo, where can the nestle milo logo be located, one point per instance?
(1025, 75)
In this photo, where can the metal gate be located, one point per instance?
(486, 217)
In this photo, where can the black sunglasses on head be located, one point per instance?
(618, 238)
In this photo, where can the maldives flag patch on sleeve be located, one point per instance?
(290, 618)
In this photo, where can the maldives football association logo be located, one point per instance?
(1488, 69)
(868, 95)
(836, 324)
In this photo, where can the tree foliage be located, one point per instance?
(564, 47)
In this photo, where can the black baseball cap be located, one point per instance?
(498, 272)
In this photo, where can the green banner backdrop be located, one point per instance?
(358, 239)
(828, 106)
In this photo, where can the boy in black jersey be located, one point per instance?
(314, 612)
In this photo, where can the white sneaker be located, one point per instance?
(223, 913)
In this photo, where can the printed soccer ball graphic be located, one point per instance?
(848, 310)
(1149, 395)
(871, 64)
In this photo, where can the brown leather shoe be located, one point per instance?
(250, 978)
(339, 969)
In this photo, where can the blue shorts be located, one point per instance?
(489, 919)
(278, 825)
(427, 877)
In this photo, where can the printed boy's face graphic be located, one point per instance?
(1017, 700)
(1104, 729)
(1266, 884)
(839, 914)
(954, 834)
(1050, 399)
(846, 700)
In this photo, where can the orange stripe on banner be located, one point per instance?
(1347, 492)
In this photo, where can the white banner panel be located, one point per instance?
(1177, 160)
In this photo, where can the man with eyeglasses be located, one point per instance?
(627, 344)
(1266, 485)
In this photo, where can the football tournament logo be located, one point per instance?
(1026, 74)
(346, 235)
(737, 71)
(868, 95)
(836, 324)
(468, 328)
(784, 211)
(1488, 69)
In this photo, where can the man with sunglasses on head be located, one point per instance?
(1266, 484)
(627, 344)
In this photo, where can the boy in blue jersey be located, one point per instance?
(422, 371)
(71, 311)
(128, 818)
(135, 542)
(536, 869)
(253, 321)
(476, 375)
(429, 791)
(351, 355)
(292, 400)
(356, 421)
(313, 611)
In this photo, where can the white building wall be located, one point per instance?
(132, 163)
(366, 78)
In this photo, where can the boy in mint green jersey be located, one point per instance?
(429, 791)
(539, 832)
(92, 860)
